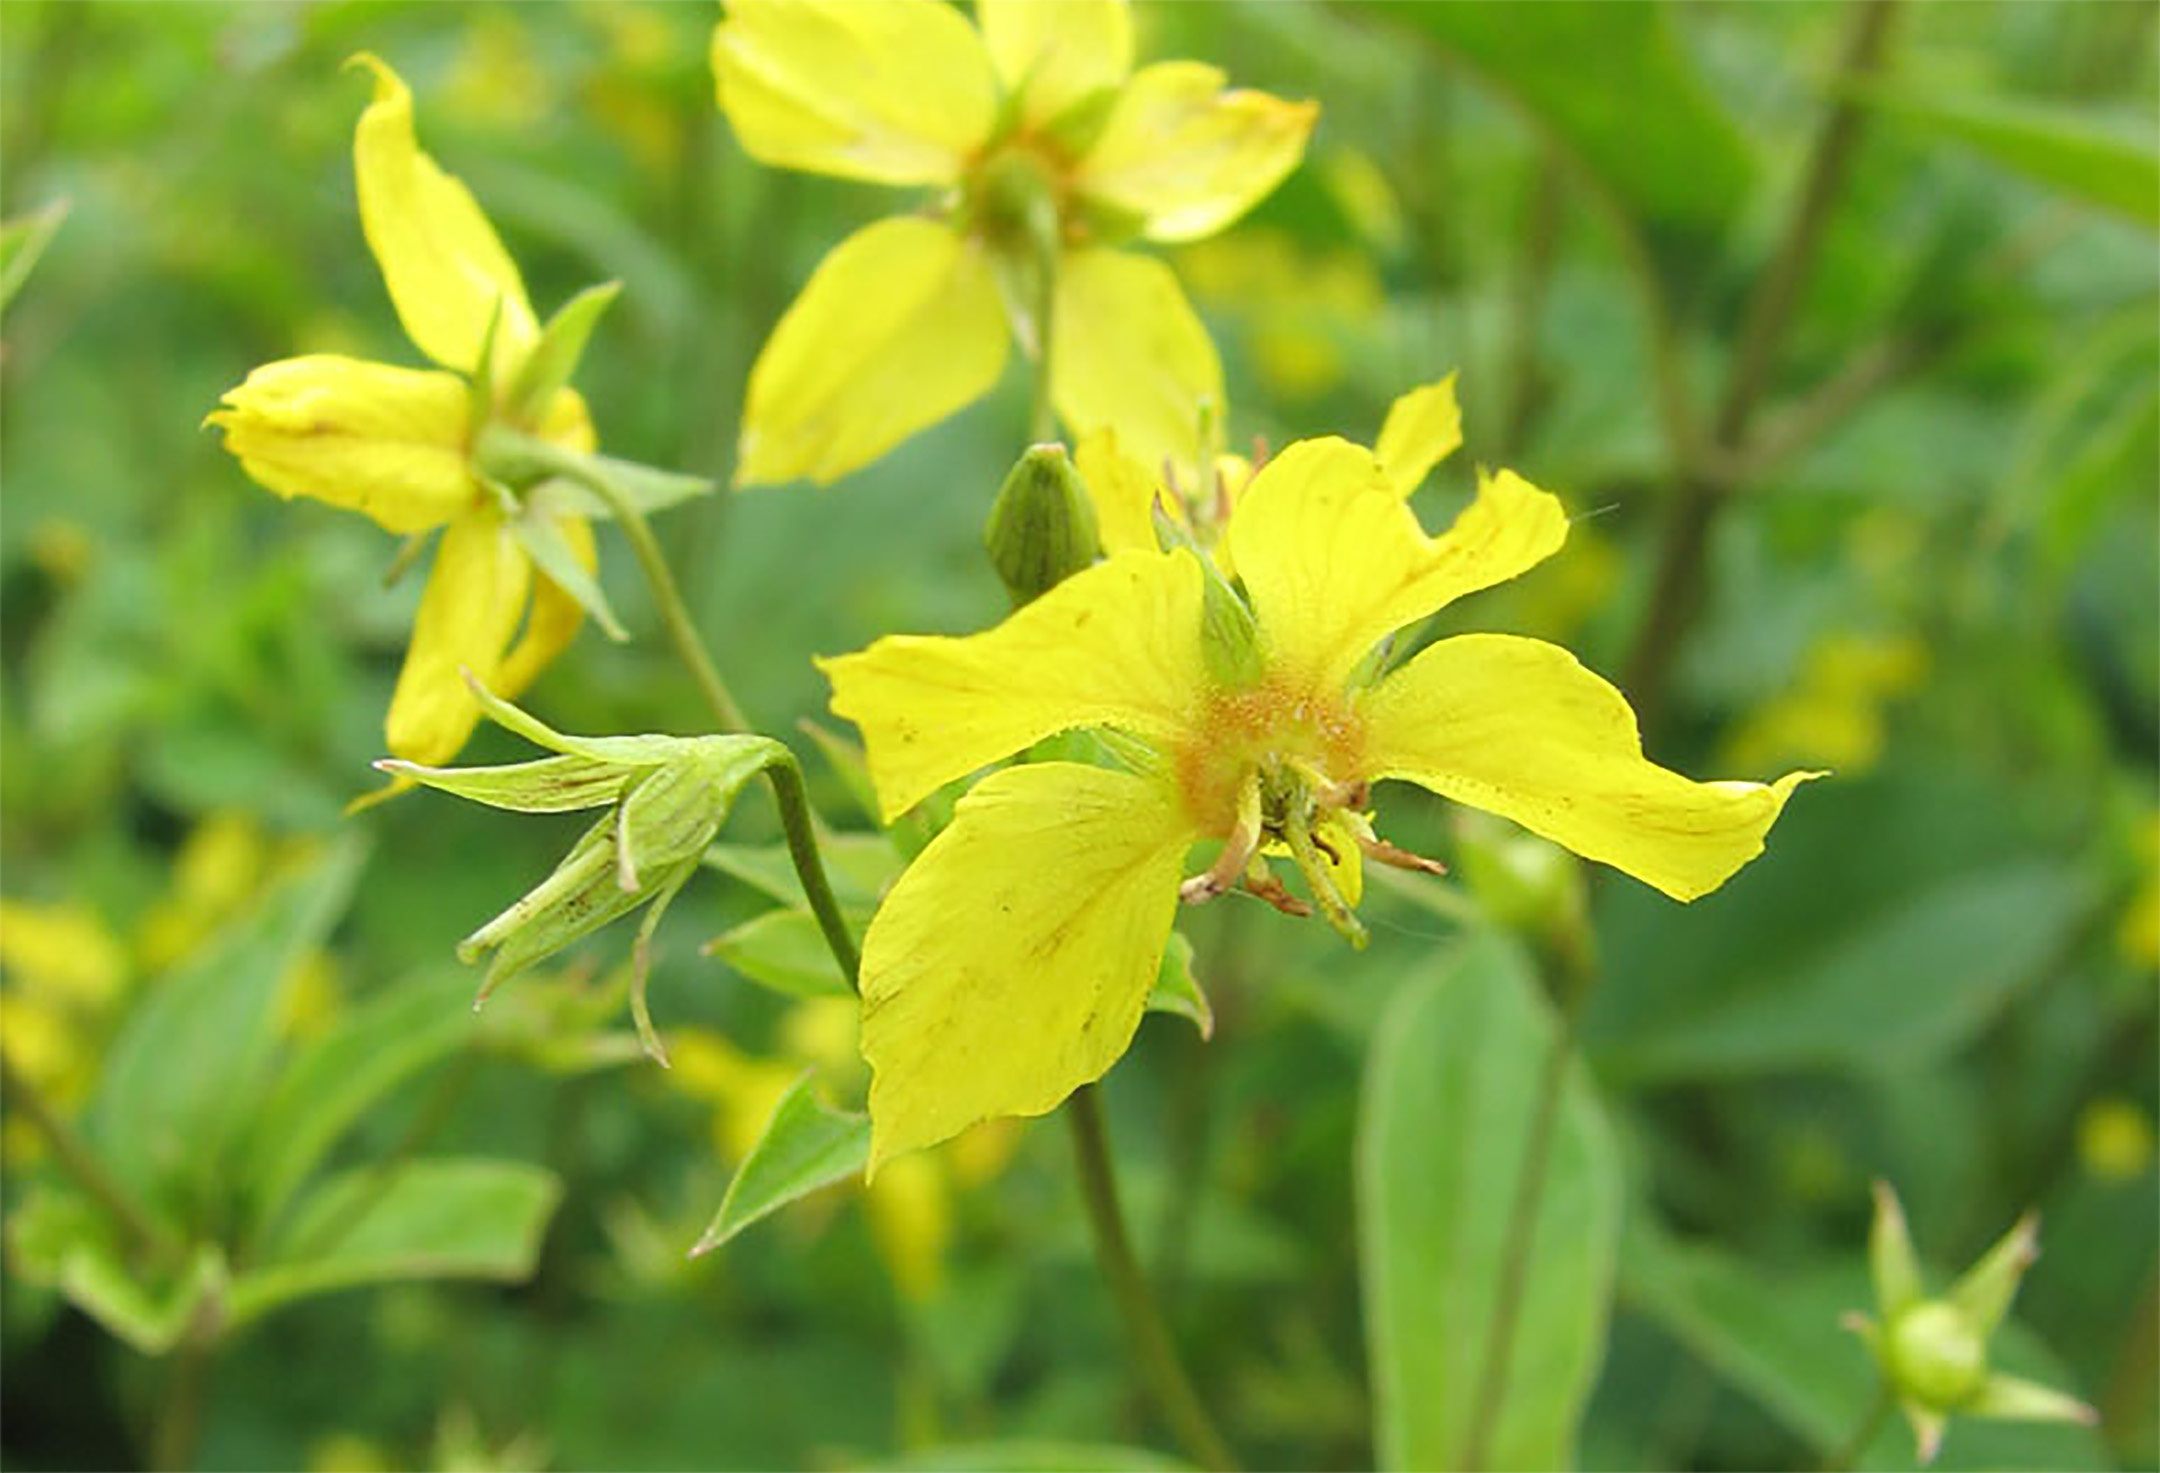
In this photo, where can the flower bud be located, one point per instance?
(666, 798)
(1042, 526)
(1934, 1355)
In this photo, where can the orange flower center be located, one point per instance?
(1271, 727)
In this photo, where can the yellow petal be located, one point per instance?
(387, 442)
(568, 423)
(1124, 491)
(1334, 560)
(1187, 156)
(892, 91)
(554, 619)
(1130, 354)
(910, 1207)
(1011, 962)
(1115, 645)
(446, 270)
(1519, 728)
(900, 325)
(474, 596)
(1060, 50)
(1423, 428)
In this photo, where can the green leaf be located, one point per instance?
(806, 1145)
(22, 240)
(1177, 990)
(1660, 143)
(2063, 148)
(327, 1086)
(858, 866)
(1897, 989)
(60, 1239)
(1031, 1456)
(1775, 1337)
(1451, 1092)
(783, 950)
(185, 1074)
(562, 343)
(429, 1219)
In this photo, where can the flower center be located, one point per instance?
(1284, 736)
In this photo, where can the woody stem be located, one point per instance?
(1160, 1367)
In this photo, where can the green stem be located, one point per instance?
(1158, 1363)
(149, 1236)
(1574, 980)
(800, 825)
(1871, 1421)
(1042, 412)
(666, 597)
(1706, 485)
(179, 1419)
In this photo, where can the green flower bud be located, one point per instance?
(1933, 1352)
(666, 798)
(1934, 1356)
(1042, 526)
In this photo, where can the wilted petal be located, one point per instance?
(1130, 355)
(892, 91)
(386, 442)
(900, 325)
(1334, 560)
(1061, 50)
(1519, 728)
(1012, 961)
(1188, 157)
(446, 270)
(1117, 645)
(475, 595)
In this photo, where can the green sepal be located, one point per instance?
(480, 388)
(1177, 990)
(1080, 122)
(1229, 636)
(541, 536)
(555, 357)
(554, 479)
(560, 784)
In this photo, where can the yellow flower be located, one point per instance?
(1012, 961)
(395, 444)
(1048, 150)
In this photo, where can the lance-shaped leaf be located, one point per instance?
(806, 1145)
(22, 240)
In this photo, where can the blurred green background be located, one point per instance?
(1929, 561)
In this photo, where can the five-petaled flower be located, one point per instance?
(1050, 151)
(396, 444)
(1011, 962)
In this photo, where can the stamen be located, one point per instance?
(1237, 852)
(1381, 851)
(1297, 831)
(1259, 881)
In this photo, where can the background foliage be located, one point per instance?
(1929, 562)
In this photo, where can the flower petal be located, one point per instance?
(1131, 355)
(386, 442)
(554, 620)
(1061, 50)
(1334, 560)
(1123, 491)
(1187, 156)
(475, 595)
(1011, 962)
(1423, 428)
(1519, 728)
(1115, 645)
(445, 268)
(900, 325)
(892, 91)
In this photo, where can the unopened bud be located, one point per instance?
(666, 798)
(1042, 526)
(1934, 1356)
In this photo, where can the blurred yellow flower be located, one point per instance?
(1011, 962)
(2137, 931)
(1834, 714)
(1049, 151)
(395, 443)
(2115, 1139)
(1301, 308)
